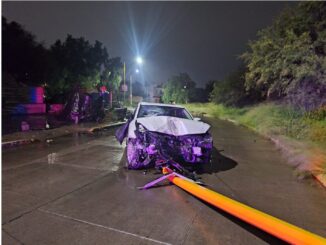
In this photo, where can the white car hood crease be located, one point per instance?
(173, 125)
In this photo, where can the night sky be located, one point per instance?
(200, 38)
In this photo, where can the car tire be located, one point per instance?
(132, 156)
(136, 158)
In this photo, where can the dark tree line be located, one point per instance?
(182, 89)
(63, 67)
(287, 62)
(22, 57)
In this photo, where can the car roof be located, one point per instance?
(160, 104)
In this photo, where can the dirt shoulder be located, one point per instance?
(308, 160)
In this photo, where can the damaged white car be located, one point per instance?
(162, 132)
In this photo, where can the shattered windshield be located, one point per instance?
(154, 110)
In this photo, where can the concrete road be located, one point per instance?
(76, 191)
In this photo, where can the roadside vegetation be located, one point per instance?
(302, 134)
(271, 119)
(285, 64)
(182, 89)
(280, 88)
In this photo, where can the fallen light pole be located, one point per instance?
(274, 226)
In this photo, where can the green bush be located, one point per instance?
(231, 91)
(269, 119)
(288, 57)
(317, 114)
(276, 119)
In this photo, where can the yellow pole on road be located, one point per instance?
(278, 228)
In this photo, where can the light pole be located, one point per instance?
(130, 90)
(124, 82)
(139, 61)
(185, 89)
(137, 71)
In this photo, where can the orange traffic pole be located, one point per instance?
(278, 228)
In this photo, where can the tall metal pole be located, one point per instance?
(130, 90)
(124, 82)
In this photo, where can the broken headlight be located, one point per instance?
(208, 138)
(141, 128)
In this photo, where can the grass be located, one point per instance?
(275, 120)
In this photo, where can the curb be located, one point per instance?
(19, 142)
(94, 129)
(321, 178)
(14, 143)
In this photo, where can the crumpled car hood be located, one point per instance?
(173, 125)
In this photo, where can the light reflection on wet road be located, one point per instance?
(76, 191)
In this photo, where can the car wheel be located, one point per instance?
(132, 156)
(137, 158)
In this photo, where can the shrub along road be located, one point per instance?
(300, 135)
(76, 191)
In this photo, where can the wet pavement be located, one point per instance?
(77, 191)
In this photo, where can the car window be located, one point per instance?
(154, 110)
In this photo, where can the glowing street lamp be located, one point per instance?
(139, 60)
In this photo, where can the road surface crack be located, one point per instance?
(189, 227)
(234, 194)
(57, 198)
(103, 226)
(13, 237)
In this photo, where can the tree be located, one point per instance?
(198, 95)
(209, 87)
(111, 75)
(290, 53)
(138, 89)
(178, 89)
(75, 63)
(24, 58)
(231, 91)
(64, 67)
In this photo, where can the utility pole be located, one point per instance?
(130, 90)
(124, 82)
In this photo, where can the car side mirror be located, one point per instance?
(197, 118)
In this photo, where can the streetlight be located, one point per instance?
(184, 88)
(139, 60)
(130, 89)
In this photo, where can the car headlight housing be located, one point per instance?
(208, 138)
